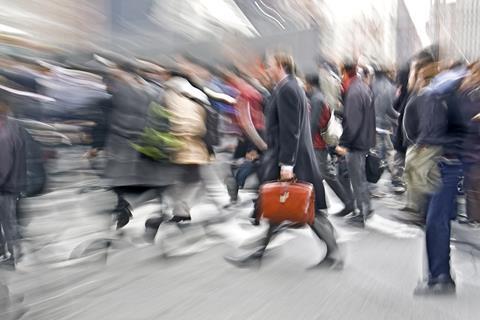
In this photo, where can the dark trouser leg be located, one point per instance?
(381, 147)
(122, 210)
(389, 152)
(398, 169)
(344, 178)
(271, 232)
(358, 177)
(472, 192)
(8, 220)
(328, 173)
(3, 243)
(324, 230)
(441, 209)
(257, 255)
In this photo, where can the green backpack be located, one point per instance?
(156, 142)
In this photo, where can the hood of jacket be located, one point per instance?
(184, 87)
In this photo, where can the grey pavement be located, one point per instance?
(76, 266)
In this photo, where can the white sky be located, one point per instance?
(419, 11)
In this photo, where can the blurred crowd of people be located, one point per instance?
(160, 128)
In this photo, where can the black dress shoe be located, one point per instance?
(429, 288)
(336, 264)
(177, 219)
(7, 262)
(153, 223)
(357, 220)
(123, 212)
(123, 217)
(151, 228)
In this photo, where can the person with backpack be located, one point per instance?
(421, 174)
(320, 114)
(444, 124)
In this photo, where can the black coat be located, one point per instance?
(125, 166)
(289, 138)
(358, 118)
(12, 158)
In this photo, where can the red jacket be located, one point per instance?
(318, 142)
(249, 95)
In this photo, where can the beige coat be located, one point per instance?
(188, 124)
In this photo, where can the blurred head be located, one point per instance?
(420, 61)
(472, 80)
(312, 82)
(421, 72)
(350, 68)
(280, 65)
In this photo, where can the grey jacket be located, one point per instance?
(359, 118)
(383, 98)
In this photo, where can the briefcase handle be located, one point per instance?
(293, 180)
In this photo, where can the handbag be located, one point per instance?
(292, 201)
(374, 167)
(331, 135)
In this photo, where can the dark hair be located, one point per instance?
(313, 80)
(350, 67)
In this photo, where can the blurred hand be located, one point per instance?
(286, 173)
(342, 151)
(92, 153)
(252, 155)
(476, 118)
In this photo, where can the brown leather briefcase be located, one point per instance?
(282, 201)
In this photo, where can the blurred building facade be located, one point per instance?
(455, 26)
(407, 37)
(381, 31)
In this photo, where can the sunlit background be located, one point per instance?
(388, 30)
(72, 75)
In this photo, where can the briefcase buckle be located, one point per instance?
(284, 197)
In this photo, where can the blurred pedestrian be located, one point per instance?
(12, 180)
(319, 117)
(470, 102)
(445, 126)
(290, 154)
(383, 92)
(357, 139)
(424, 147)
